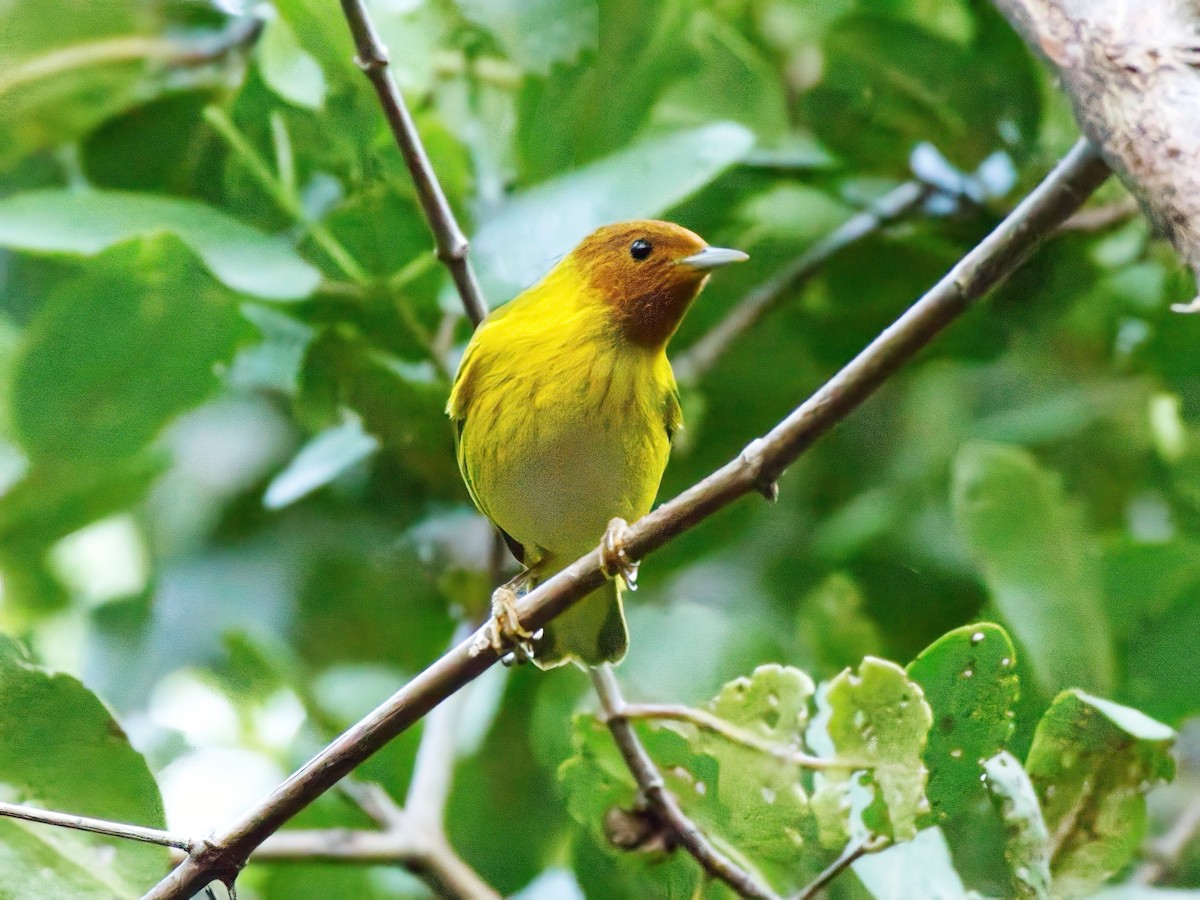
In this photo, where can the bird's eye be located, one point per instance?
(640, 249)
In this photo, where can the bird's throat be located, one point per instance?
(649, 318)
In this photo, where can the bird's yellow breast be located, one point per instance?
(561, 426)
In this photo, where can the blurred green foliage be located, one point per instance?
(228, 501)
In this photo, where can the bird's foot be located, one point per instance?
(504, 633)
(614, 560)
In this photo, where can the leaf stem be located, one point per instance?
(709, 722)
(869, 844)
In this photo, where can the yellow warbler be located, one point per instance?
(565, 406)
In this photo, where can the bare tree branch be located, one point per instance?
(700, 357)
(661, 800)
(239, 34)
(451, 242)
(1132, 71)
(755, 469)
(1167, 850)
(1101, 218)
(96, 826)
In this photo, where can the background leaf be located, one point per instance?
(1092, 762)
(522, 240)
(86, 223)
(55, 736)
(101, 386)
(1013, 517)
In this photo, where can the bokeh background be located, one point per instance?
(228, 496)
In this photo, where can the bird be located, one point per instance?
(564, 408)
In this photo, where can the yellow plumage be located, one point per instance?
(565, 408)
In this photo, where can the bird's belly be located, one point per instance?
(559, 489)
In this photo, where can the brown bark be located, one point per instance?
(1132, 70)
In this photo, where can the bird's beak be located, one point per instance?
(713, 258)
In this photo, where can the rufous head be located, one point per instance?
(647, 272)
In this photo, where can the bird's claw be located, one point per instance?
(504, 633)
(614, 560)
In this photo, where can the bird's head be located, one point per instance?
(647, 273)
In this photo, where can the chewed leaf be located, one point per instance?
(876, 720)
(1027, 842)
(772, 702)
(970, 682)
(1092, 762)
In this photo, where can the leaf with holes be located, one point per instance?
(970, 682)
(876, 720)
(1092, 762)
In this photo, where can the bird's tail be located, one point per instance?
(590, 633)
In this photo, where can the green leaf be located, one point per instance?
(768, 810)
(61, 749)
(879, 720)
(1092, 762)
(1033, 553)
(321, 460)
(920, 869)
(1027, 842)
(730, 79)
(287, 69)
(524, 239)
(538, 33)
(401, 404)
(970, 682)
(87, 222)
(120, 349)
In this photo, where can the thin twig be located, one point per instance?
(1165, 852)
(709, 722)
(1101, 218)
(96, 826)
(240, 33)
(662, 801)
(451, 242)
(869, 844)
(700, 357)
(756, 469)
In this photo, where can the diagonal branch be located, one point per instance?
(755, 469)
(695, 362)
(97, 826)
(662, 801)
(451, 242)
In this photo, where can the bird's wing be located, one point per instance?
(456, 408)
(672, 412)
